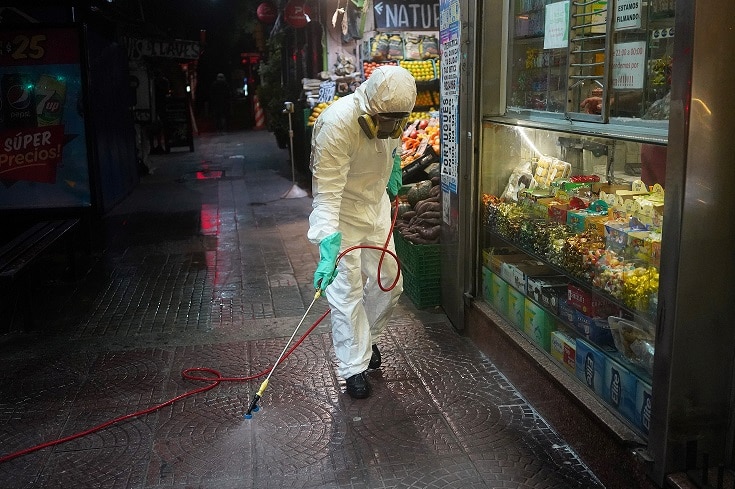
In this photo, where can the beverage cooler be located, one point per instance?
(595, 177)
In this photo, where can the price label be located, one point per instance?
(21, 47)
(326, 91)
(39, 46)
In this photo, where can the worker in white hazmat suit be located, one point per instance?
(355, 158)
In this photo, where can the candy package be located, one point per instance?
(549, 169)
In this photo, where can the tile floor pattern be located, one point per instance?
(205, 265)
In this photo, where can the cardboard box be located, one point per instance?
(597, 330)
(656, 252)
(538, 324)
(547, 291)
(573, 187)
(499, 293)
(642, 414)
(566, 312)
(516, 307)
(532, 201)
(596, 223)
(620, 388)
(516, 274)
(575, 220)
(496, 261)
(558, 213)
(589, 304)
(564, 349)
(590, 366)
(533, 195)
(627, 242)
(488, 253)
(608, 188)
(487, 285)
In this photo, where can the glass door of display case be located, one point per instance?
(574, 183)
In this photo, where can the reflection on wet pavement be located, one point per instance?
(204, 265)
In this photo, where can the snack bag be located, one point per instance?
(429, 47)
(413, 48)
(379, 47)
(395, 47)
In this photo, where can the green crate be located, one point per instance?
(421, 259)
(422, 290)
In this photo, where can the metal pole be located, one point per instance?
(295, 192)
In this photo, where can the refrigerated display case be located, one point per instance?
(572, 188)
(600, 193)
(570, 240)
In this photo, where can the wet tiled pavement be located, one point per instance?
(206, 265)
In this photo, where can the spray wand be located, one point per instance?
(253, 408)
(264, 385)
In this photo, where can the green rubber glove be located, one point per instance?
(326, 270)
(396, 178)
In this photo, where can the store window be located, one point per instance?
(570, 239)
(578, 60)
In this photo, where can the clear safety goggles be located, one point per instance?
(391, 124)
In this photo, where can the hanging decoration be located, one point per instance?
(339, 10)
(267, 13)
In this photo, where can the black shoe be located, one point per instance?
(375, 359)
(358, 386)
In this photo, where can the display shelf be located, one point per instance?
(566, 319)
(645, 318)
(589, 365)
(571, 330)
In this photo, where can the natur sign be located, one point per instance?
(416, 15)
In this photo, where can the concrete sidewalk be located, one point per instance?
(206, 265)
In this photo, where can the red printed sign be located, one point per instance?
(44, 162)
(32, 155)
(267, 13)
(297, 14)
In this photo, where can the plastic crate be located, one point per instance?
(422, 290)
(421, 259)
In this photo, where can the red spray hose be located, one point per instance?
(217, 377)
(188, 374)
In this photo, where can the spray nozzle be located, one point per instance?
(253, 407)
(254, 403)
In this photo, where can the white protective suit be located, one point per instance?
(350, 172)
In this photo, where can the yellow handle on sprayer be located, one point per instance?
(263, 386)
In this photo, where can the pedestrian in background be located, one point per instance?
(220, 94)
(161, 93)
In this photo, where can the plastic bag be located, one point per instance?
(395, 47)
(634, 341)
(379, 47)
(413, 48)
(429, 47)
(520, 179)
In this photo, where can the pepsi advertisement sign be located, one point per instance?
(43, 150)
